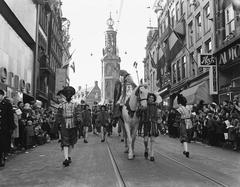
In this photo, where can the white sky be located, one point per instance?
(88, 24)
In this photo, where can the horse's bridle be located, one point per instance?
(138, 96)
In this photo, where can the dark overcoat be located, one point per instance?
(7, 125)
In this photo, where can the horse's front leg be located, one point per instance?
(134, 134)
(125, 139)
(129, 139)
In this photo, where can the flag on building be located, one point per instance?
(236, 5)
(135, 64)
(66, 64)
(73, 67)
(154, 65)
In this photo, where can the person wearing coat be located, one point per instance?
(150, 128)
(7, 126)
(66, 118)
(185, 122)
(86, 122)
(103, 119)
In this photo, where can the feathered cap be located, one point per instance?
(68, 91)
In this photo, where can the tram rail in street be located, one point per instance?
(120, 180)
(209, 178)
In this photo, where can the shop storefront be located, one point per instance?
(194, 94)
(228, 59)
(164, 93)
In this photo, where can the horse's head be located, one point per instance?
(142, 95)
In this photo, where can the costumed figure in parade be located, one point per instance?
(94, 117)
(66, 117)
(103, 119)
(150, 125)
(86, 122)
(79, 114)
(120, 93)
(6, 127)
(185, 122)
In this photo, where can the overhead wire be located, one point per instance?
(119, 14)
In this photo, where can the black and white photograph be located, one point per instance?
(119, 93)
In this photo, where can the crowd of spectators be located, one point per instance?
(34, 126)
(213, 124)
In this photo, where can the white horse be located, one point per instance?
(138, 98)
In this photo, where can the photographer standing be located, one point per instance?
(6, 127)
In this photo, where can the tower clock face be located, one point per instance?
(110, 22)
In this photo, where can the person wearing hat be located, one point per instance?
(185, 122)
(79, 114)
(94, 117)
(150, 125)
(120, 92)
(7, 126)
(103, 119)
(66, 118)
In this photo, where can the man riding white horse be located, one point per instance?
(120, 92)
(126, 108)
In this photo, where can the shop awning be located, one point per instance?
(196, 94)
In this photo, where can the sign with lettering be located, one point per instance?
(213, 80)
(206, 60)
(229, 55)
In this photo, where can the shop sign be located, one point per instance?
(229, 55)
(206, 60)
(213, 80)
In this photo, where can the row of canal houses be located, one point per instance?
(195, 50)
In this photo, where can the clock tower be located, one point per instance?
(110, 62)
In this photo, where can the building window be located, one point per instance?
(178, 70)
(208, 46)
(174, 73)
(178, 16)
(190, 33)
(193, 64)
(184, 62)
(206, 18)
(172, 18)
(153, 81)
(181, 7)
(166, 21)
(189, 7)
(198, 26)
(229, 20)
